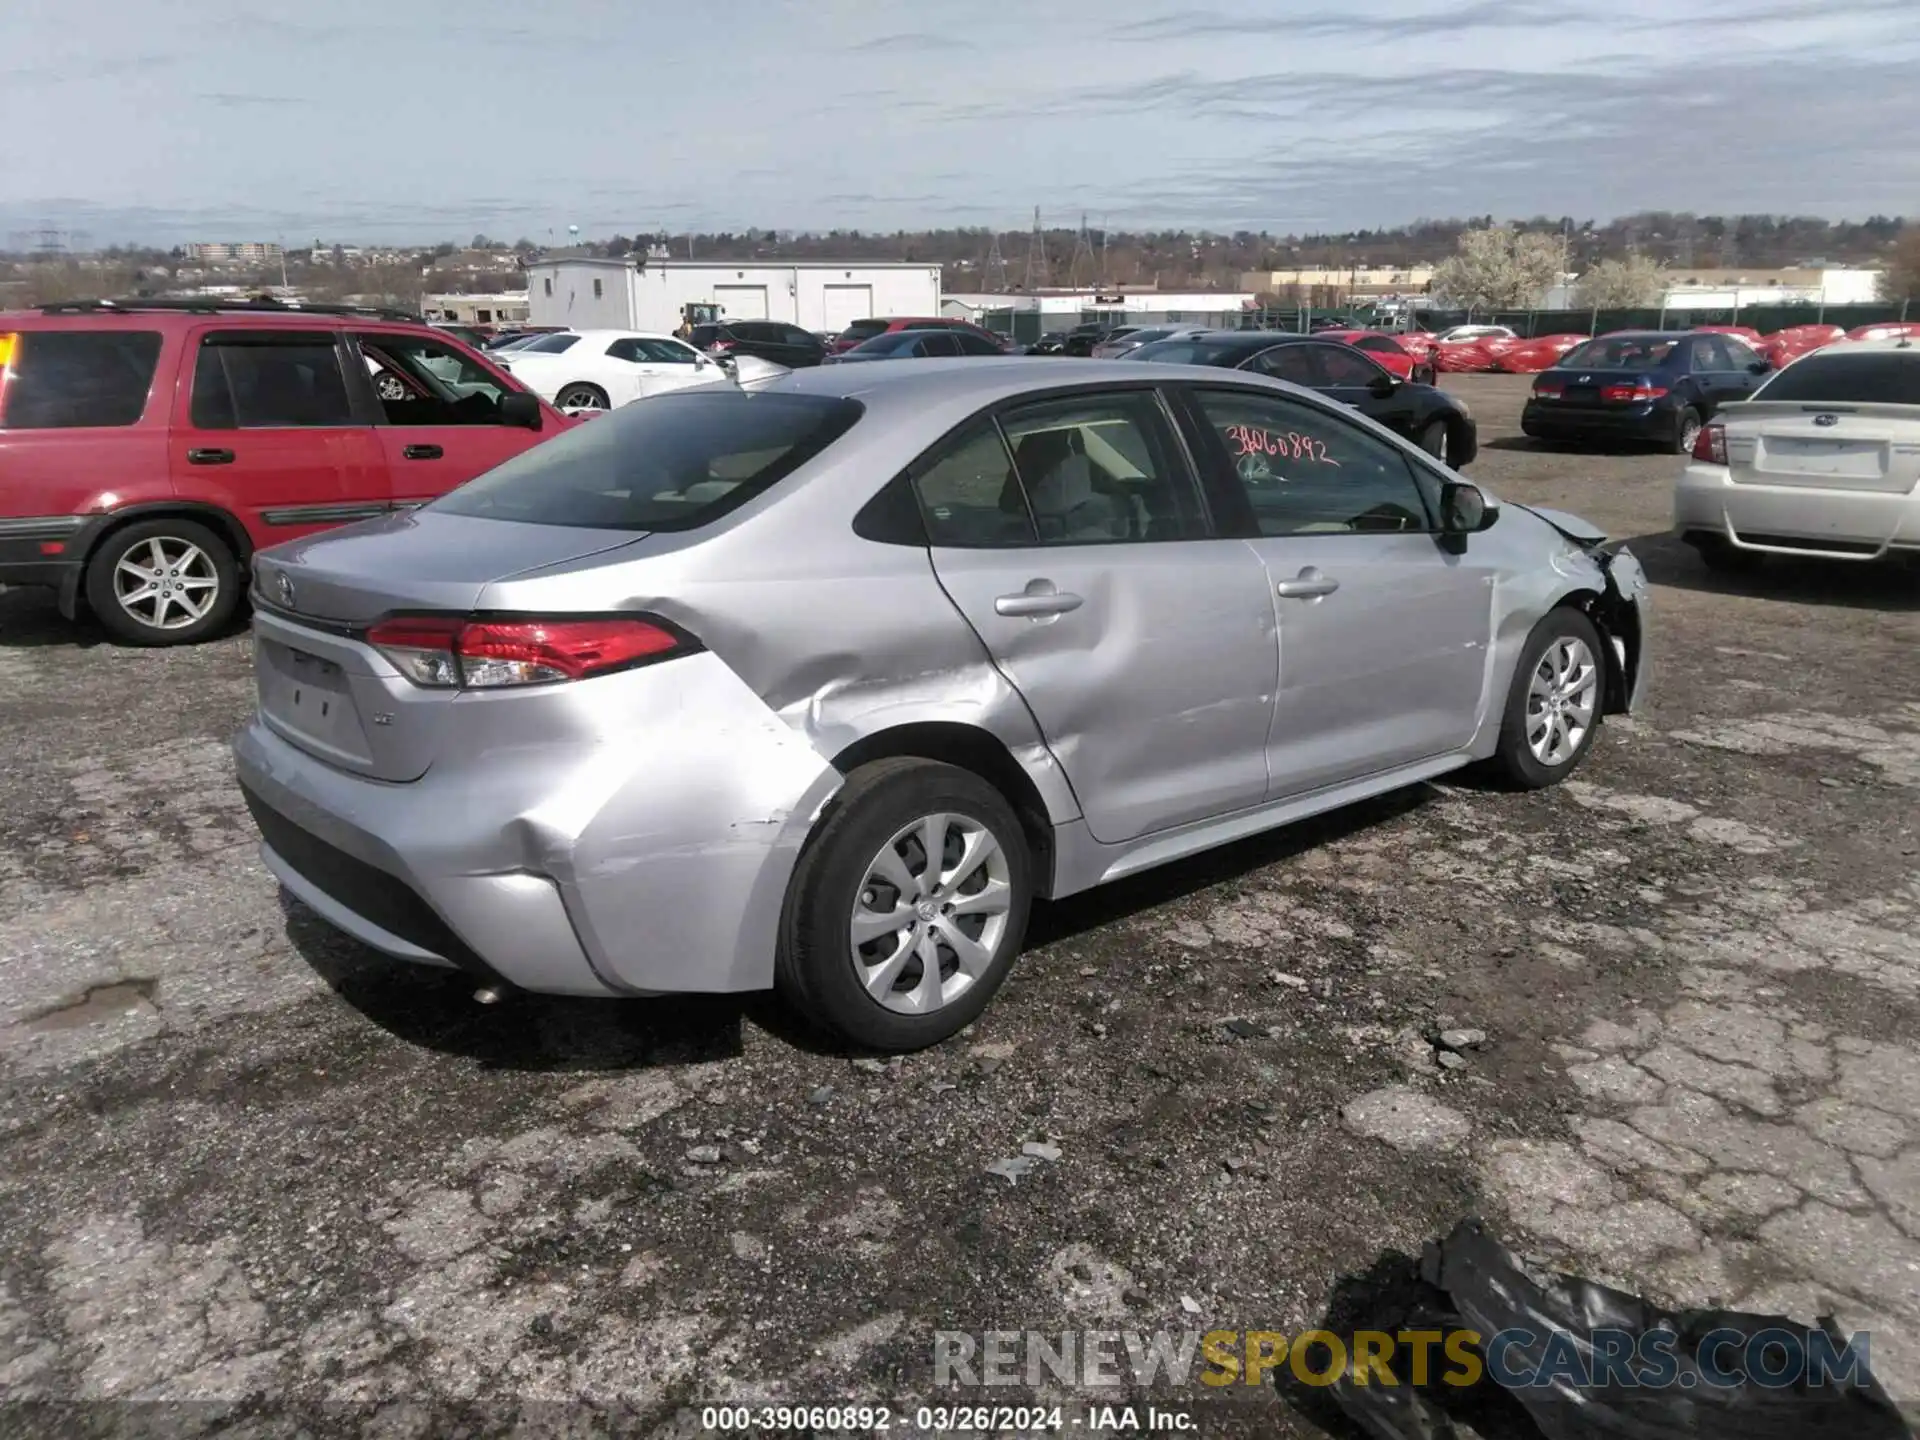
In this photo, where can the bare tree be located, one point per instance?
(1901, 279)
(1498, 269)
(1621, 284)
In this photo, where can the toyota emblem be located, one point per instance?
(286, 591)
(1826, 419)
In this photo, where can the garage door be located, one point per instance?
(844, 304)
(741, 302)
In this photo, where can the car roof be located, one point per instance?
(1855, 347)
(175, 314)
(621, 335)
(977, 380)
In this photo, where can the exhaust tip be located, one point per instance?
(489, 995)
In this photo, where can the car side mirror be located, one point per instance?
(521, 409)
(1381, 387)
(1464, 509)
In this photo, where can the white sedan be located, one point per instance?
(602, 369)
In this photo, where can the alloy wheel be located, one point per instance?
(582, 398)
(1561, 698)
(931, 913)
(166, 583)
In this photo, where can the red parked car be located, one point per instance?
(148, 448)
(1388, 350)
(861, 331)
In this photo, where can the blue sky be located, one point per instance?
(397, 120)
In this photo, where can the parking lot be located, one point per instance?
(241, 1156)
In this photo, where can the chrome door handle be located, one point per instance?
(1309, 584)
(1048, 602)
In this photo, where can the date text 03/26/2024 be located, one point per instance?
(945, 1419)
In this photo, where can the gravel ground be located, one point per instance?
(245, 1162)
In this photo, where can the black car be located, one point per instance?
(786, 345)
(1082, 338)
(1434, 420)
(1655, 387)
(918, 345)
(1054, 342)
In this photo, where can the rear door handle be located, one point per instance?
(1037, 603)
(209, 457)
(1309, 584)
(423, 452)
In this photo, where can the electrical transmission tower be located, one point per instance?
(1082, 247)
(994, 273)
(1037, 274)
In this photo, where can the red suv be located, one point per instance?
(148, 448)
(861, 331)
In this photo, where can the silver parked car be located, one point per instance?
(820, 686)
(1824, 460)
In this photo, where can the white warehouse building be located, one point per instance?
(581, 291)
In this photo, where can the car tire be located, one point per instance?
(875, 993)
(1687, 430)
(1562, 640)
(580, 396)
(163, 582)
(1436, 440)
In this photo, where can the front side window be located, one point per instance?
(422, 382)
(1306, 471)
(1102, 469)
(70, 379)
(268, 380)
(678, 462)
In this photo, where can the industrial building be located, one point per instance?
(647, 294)
(503, 308)
(1027, 316)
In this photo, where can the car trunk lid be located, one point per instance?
(322, 687)
(1862, 448)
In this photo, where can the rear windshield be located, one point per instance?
(548, 344)
(863, 329)
(1873, 377)
(1194, 352)
(1620, 352)
(675, 462)
(66, 379)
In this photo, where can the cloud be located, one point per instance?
(917, 43)
(232, 100)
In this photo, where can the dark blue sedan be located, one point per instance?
(1655, 387)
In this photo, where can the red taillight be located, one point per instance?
(1548, 389)
(1711, 446)
(452, 652)
(1640, 390)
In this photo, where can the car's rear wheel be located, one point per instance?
(581, 396)
(163, 582)
(908, 906)
(1687, 432)
(1555, 702)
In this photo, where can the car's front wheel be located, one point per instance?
(1555, 702)
(163, 582)
(908, 906)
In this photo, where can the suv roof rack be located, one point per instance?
(258, 305)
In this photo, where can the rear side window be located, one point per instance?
(69, 379)
(678, 462)
(1874, 377)
(268, 380)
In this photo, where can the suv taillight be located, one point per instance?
(1711, 446)
(454, 652)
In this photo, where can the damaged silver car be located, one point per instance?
(820, 687)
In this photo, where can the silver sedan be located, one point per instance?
(820, 687)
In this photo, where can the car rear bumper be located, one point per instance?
(1651, 423)
(1793, 520)
(653, 859)
(40, 549)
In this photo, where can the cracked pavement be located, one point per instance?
(243, 1160)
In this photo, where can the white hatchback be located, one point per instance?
(1823, 461)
